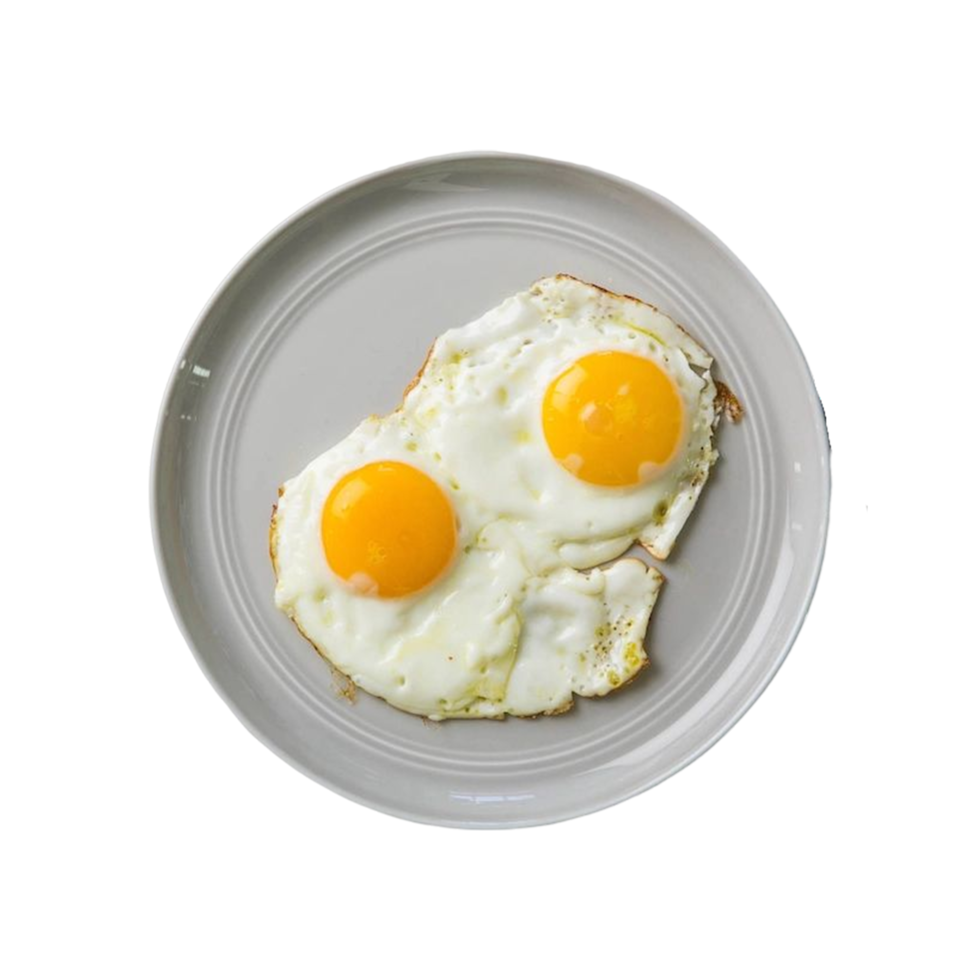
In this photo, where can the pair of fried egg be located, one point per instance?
(446, 557)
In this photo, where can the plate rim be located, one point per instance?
(745, 702)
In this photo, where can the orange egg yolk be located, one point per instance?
(388, 529)
(612, 418)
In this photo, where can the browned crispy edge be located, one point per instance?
(651, 551)
(608, 292)
(727, 401)
(418, 374)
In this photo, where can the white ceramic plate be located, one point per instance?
(325, 322)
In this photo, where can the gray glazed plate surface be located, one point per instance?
(325, 322)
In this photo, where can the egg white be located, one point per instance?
(512, 626)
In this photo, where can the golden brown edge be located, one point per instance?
(418, 375)
(609, 292)
(727, 401)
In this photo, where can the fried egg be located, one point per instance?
(444, 557)
(583, 417)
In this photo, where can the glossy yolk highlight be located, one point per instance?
(612, 418)
(388, 529)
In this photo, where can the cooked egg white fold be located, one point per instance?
(583, 634)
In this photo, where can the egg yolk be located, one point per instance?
(388, 529)
(613, 418)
